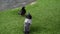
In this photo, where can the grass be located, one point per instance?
(46, 18)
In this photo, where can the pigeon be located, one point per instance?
(22, 12)
(27, 23)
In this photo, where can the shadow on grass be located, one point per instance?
(37, 29)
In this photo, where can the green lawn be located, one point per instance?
(46, 18)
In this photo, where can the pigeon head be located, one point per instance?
(29, 16)
(23, 8)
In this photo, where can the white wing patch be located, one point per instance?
(28, 20)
